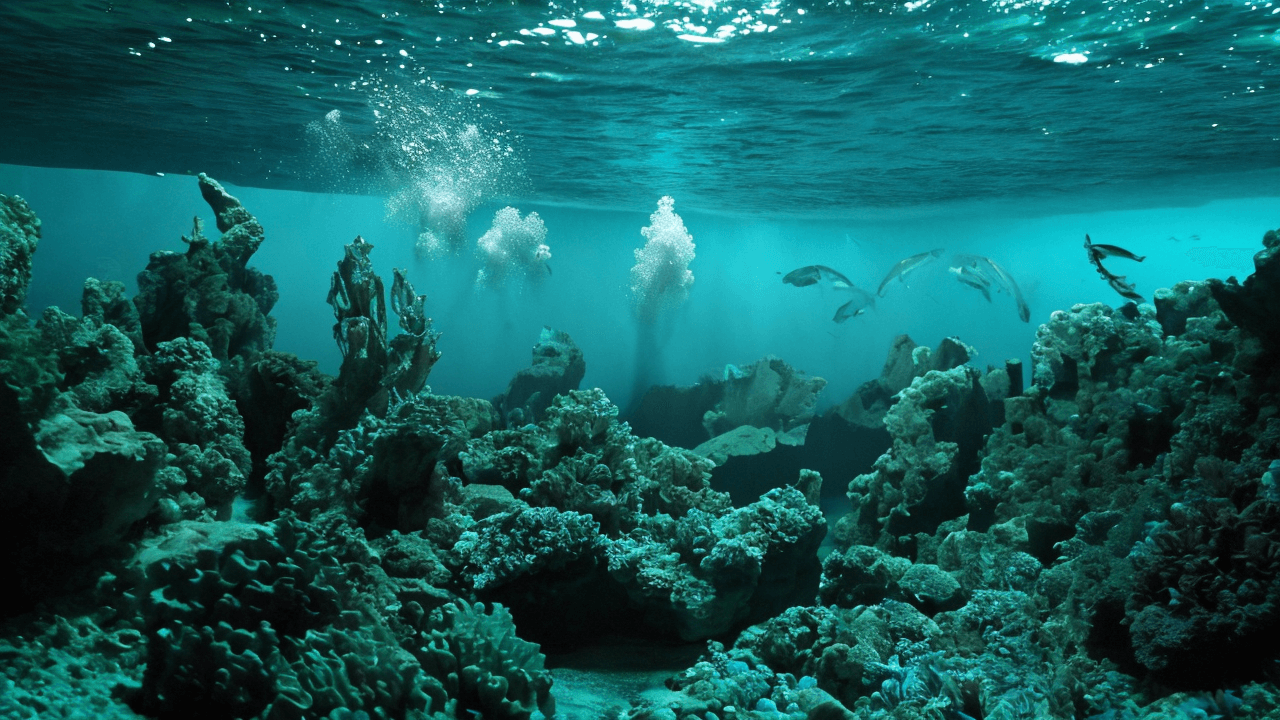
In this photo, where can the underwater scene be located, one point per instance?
(640, 359)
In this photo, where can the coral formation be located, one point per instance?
(275, 621)
(938, 425)
(1255, 305)
(205, 527)
(640, 519)
(209, 293)
(557, 368)
(380, 369)
(19, 237)
(768, 394)
(376, 362)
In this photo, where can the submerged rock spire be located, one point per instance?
(209, 293)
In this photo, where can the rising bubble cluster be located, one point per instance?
(514, 247)
(661, 279)
(433, 154)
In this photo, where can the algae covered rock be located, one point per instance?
(766, 394)
(81, 480)
(938, 425)
(557, 368)
(19, 237)
(1255, 305)
(744, 440)
(276, 621)
(209, 293)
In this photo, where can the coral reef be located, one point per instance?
(639, 520)
(204, 527)
(19, 237)
(1105, 552)
(557, 368)
(1255, 305)
(209, 293)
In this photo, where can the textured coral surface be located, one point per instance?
(203, 527)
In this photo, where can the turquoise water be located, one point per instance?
(788, 133)
(738, 310)
(755, 139)
(770, 107)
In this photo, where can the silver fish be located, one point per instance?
(1002, 278)
(813, 274)
(1117, 282)
(861, 302)
(971, 276)
(905, 266)
(1125, 288)
(1098, 251)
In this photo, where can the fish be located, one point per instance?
(812, 274)
(971, 276)
(905, 266)
(861, 302)
(1117, 282)
(1116, 251)
(848, 310)
(1002, 278)
(1098, 251)
(1125, 288)
(843, 312)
